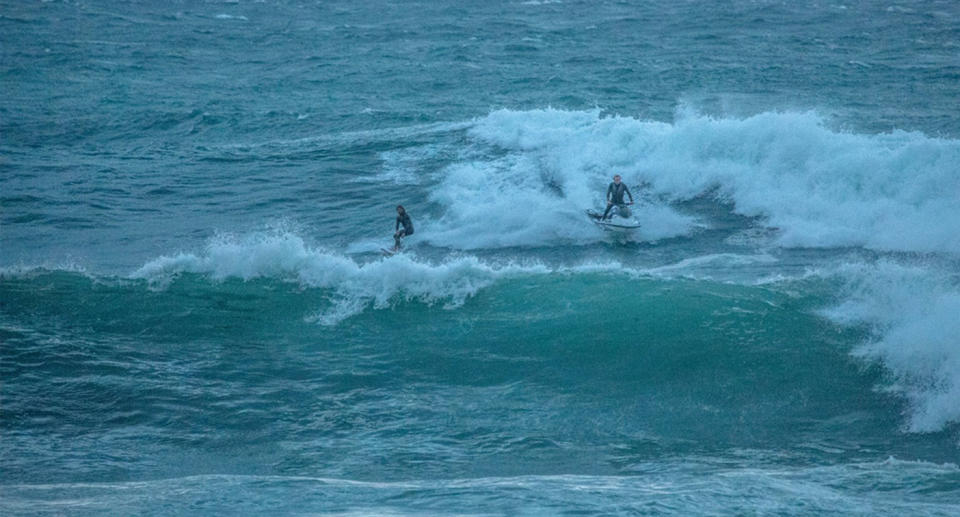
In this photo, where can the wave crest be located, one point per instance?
(356, 284)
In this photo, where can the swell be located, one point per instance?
(668, 487)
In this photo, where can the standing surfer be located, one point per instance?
(615, 193)
(404, 220)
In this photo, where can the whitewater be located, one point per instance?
(196, 317)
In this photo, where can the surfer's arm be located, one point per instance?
(627, 190)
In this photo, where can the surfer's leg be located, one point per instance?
(607, 211)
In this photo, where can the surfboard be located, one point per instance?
(388, 253)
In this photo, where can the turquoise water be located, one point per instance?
(195, 317)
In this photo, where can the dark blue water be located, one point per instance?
(196, 318)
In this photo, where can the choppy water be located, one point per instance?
(195, 317)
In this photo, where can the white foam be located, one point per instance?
(526, 179)
(915, 315)
(357, 285)
(532, 173)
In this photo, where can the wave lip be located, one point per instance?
(356, 285)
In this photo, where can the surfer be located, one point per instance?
(404, 220)
(615, 193)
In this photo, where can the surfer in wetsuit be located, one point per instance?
(615, 193)
(404, 220)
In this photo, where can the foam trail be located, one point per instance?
(401, 167)
(528, 176)
(728, 267)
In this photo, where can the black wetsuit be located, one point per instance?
(407, 229)
(615, 194)
(406, 222)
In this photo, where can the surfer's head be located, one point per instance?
(616, 178)
(400, 209)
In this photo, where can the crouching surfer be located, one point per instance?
(615, 193)
(403, 219)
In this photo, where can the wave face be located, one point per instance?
(196, 316)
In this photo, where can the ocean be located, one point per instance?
(196, 317)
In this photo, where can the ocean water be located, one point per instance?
(195, 317)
